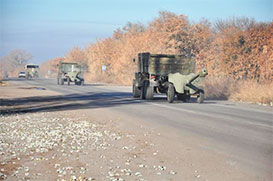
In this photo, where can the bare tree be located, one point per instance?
(239, 23)
(134, 27)
(15, 59)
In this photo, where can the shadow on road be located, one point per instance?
(66, 102)
(88, 100)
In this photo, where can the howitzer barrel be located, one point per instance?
(202, 73)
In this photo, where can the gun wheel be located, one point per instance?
(200, 98)
(170, 93)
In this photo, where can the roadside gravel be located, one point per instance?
(60, 146)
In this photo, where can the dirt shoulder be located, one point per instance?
(10, 90)
(100, 144)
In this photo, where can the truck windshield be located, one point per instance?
(71, 68)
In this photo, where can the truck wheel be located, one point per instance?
(136, 91)
(144, 89)
(170, 93)
(150, 93)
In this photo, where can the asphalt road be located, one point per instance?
(242, 131)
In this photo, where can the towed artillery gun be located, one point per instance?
(170, 74)
(70, 72)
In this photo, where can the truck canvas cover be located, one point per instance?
(160, 64)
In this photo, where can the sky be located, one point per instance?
(50, 28)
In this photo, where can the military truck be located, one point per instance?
(32, 71)
(173, 75)
(70, 72)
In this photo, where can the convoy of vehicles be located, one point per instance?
(173, 75)
(70, 72)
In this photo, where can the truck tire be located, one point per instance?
(136, 91)
(144, 89)
(150, 93)
(170, 93)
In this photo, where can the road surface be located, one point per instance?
(242, 132)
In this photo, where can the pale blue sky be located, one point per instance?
(50, 28)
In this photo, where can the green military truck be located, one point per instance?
(70, 72)
(32, 71)
(170, 74)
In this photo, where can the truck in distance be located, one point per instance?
(70, 72)
(32, 71)
(173, 75)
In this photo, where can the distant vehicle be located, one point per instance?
(70, 72)
(5, 76)
(32, 71)
(170, 74)
(22, 75)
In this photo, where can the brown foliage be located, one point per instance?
(49, 68)
(239, 49)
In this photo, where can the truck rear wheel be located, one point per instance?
(144, 89)
(170, 93)
(150, 93)
(136, 91)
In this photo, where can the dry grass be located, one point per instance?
(222, 88)
(219, 88)
(251, 91)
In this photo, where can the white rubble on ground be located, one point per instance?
(34, 134)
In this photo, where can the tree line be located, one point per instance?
(239, 48)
